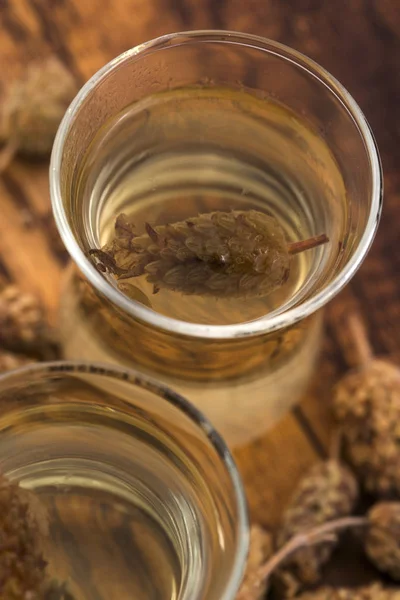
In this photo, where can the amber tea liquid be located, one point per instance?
(171, 157)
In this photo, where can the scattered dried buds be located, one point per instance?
(382, 540)
(329, 491)
(366, 403)
(23, 325)
(23, 526)
(33, 109)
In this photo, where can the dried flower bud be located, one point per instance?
(297, 562)
(22, 567)
(374, 591)
(23, 324)
(23, 527)
(382, 540)
(328, 492)
(34, 106)
(237, 254)
(366, 403)
(261, 549)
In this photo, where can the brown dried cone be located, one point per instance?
(261, 549)
(382, 539)
(381, 533)
(237, 254)
(23, 526)
(366, 403)
(23, 325)
(375, 591)
(329, 491)
(33, 108)
(22, 567)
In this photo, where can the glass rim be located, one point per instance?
(266, 323)
(136, 378)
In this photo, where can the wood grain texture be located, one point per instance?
(358, 41)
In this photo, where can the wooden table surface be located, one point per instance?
(358, 41)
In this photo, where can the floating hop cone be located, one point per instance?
(236, 254)
(367, 406)
(23, 527)
(372, 592)
(327, 493)
(382, 540)
(34, 106)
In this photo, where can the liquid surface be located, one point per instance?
(175, 155)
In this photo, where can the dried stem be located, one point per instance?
(107, 262)
(303, 245)
(8, 153)
(314, 536)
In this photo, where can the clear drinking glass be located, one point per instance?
(143, 499)
(197, 122)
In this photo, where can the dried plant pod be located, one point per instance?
(382, 539)
(33, 108)
(366, 404)
(299, 560)
(23, 527)
(23, 325)
(317, 536)
(237, 254)
(22, 566)
(261, 549)
(374, 591)
(328, 492)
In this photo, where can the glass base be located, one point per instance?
(240, 408)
